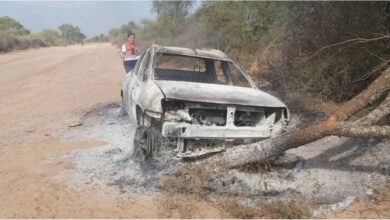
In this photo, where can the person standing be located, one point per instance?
(130, 52)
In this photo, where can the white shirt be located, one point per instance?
(128, 58)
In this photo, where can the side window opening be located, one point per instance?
(221, 76)
(144, 66)
(138, 64)
(236, 76)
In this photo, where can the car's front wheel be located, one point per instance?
(147, 143)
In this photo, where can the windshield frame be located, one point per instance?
(231, 61)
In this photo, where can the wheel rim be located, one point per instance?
(147, 143)
(140, 149)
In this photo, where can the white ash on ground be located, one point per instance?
(329, 173)
(110, 168)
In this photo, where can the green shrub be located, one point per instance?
(13, 36)
(11, 26)
(8, 42)
(51, 37)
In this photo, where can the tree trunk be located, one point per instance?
(382, 111)
(332, 125)
(360, 131)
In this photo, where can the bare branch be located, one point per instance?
(375, 55)
(353, 41)
(385, 28)
(383, 65)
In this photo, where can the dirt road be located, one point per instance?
(42, 92)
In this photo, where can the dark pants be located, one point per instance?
(129, 65)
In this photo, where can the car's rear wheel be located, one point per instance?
(147, 143)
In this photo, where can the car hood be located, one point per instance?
(215, 93)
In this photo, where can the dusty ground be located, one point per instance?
(51, 170)
(42, 91)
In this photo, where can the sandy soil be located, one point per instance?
(42, 91)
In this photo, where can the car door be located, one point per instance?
(130, 84)
(137, 82)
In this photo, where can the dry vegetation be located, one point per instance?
(376, 206)
(190, 185)
(318, 49)
(279, 210)
(187, 181)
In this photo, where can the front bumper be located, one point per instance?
(189, 131)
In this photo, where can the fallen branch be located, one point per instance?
(351, 130)
(379, 113)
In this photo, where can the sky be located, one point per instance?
(93, 18)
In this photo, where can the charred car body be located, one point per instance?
(197, 100)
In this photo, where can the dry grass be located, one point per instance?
(237, 210)
(375, 206)
(187, 181)
(177, 205)
(190, 185)
(292, 210)
(184, 191)
(256, 167)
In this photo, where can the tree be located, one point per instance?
(119, 35)
(50, 36)
(171, 15)
(275, 41)
(286, 34)
(11, 26)
(71, 34)
(98, 38)
(178, 9)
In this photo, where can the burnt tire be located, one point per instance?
(147, 143)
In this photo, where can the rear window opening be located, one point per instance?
(196, 69)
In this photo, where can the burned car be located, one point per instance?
(198, 100)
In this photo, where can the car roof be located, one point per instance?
(204, 53)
